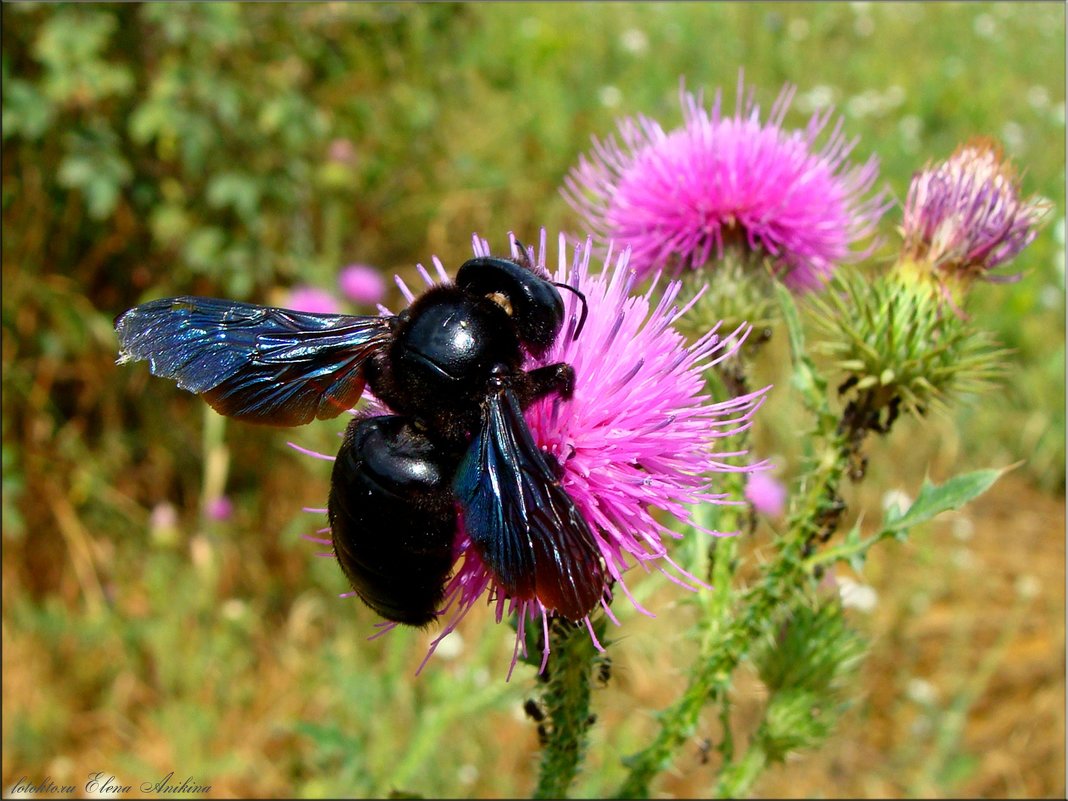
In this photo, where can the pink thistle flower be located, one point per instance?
(767, 495)
(362, 283)
(219, 509)
(965, 217)
(311, 299)
(678, 198)
(639, 433)
(341, 151)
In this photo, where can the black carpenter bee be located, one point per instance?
(457, 446)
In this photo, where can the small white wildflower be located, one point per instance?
(864, 26)
(529, 27)
(896, 498)
(1013, 137)
(857, 596)
(1028, 586)
(818, 97)
(1038, 96)
(634, 41)
(797, 29)
(467, 774)
(610, 96)
(452, 646)
(1056, 114)
(233, 609)
(985, 26)
(921, 692)
(963, 528)
(911, 127)
(963, 559)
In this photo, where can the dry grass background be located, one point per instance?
(963, 692)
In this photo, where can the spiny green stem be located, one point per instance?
(737, 778)
(843, 552)
(711, 676)
(728, 637)
(730, 630)
(567, 705)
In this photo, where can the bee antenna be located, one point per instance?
(585, 308)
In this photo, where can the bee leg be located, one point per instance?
(542, 381)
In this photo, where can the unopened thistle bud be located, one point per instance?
(898, 349)
(805, 667)
(965, 217)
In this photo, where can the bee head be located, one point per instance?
(533, 303)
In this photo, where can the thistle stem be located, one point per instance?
(216, 458)
(732, 629)
(710, 678)
(731, 625)
(737, 779)
(566, 700)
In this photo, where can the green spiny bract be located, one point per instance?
(805, 664)
(898, 346)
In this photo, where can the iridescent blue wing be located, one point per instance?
(524, 525)
(255, 363)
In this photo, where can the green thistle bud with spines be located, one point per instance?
(805, 665)
(739, 290)
(894, 340)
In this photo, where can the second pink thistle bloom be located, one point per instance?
(766, 493)
(678, 198)
(362, 283)
(311, 299)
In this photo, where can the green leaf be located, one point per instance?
(98, 181)
(327, 738)
(26, 112)
(236, 190)
(935, 499)
(860, 555)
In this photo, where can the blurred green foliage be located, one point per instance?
(238, 149)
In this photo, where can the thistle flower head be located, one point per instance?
(362, 283)
(677, 199)
(965, 216)
(311, 299)
(639, 433)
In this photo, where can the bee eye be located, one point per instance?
(533, 303)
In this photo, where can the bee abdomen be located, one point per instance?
(393, 518)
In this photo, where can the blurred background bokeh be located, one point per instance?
(161, 611)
